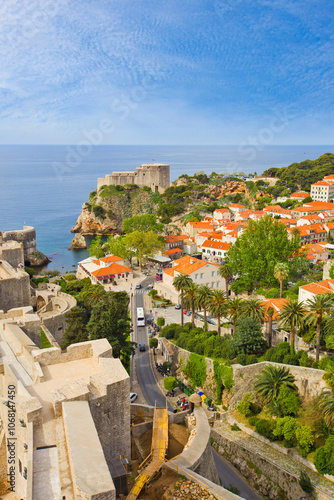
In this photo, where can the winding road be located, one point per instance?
(153, 395)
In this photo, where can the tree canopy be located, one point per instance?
(258, 249)
(143, 223)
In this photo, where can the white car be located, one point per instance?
(133, 397)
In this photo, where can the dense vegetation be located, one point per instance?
(98, 315)
(302, 175)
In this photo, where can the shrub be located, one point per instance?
(286, 428)
(169, 383)
(305, 482)
(287, 403)
(161, 321)
(291, 359)
(304, 359)
(70, 277)
(252, 420)
(265, 428)
(324, 457)
(246, 359)
(248, 336)
(196, 369)
(223, 377)
(153, 343)
(305, 438)
(244, 407)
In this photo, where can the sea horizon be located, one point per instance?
(45, 186)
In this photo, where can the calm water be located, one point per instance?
(45, 186)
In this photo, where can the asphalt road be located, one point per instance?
(146, 378)
(153, 395)
(229, 475)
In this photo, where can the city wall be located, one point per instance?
(27, 236)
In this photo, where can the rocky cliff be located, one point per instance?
(104, 213)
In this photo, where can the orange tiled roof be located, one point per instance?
(187, 265)
(113, 269)
(299, 195)
(329, 177)
(216, 244)
(173, 250)
(322, 183)
(275, 304)
(237, 205)
(320, 288)
(276, 209)
(109, 258)
(222, 210)
(201, 225)
(172, 238)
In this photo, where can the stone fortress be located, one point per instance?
(69, 436)
(153, 175)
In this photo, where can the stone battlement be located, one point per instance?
(153, 175)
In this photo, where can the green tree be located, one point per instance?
(305, 482)
(188, 298)
(234, 308)
(248, 336)
(270, 314)
(116, 245)
(253, 309)
(326, 405)
(143, 223)
(161, 321)
(109, 319)
(292, 314)
(217, 306)
(316, 309)
(169, 383)
(181, 282)
(143, 244)
(281, 272)
(153, 343)
(287, 403)
(258, 249)
(203, 299)
(76, 326)
(226, 272)
(92, 295)
(95, 249)
(270, 380)
(324, 457)
(286, 428)
(305, 438)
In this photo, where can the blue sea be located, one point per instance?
(45, 186)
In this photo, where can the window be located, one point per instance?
(212, 285)
(196, 276)
(202, 275)
(217, 273)
(217, 284)
(212, 273)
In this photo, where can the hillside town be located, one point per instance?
(223, 328)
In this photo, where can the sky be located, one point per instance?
(168, 72)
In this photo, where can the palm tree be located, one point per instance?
(254, 309)
(316, 309)
(188, 297)
(226, 272)
(203, 299)
(281, 272)
(218, 305)
(327, 406)
(270, 314)
(234, 308)
(180, 283)
(270, 380)
(93, 295)
(292, 314)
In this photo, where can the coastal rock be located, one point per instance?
(88, 224)
(37, 259)
(78, 242)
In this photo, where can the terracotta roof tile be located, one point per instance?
(113, 269)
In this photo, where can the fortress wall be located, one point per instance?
(27, 236)
(12, 252)
(15, 291)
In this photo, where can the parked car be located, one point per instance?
(178, 306)
(185, 311)
(138, 286)
(142, 347)
(189, 313)
(133, 397)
